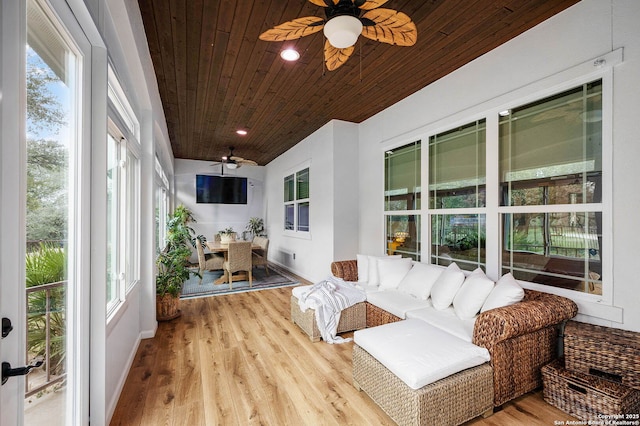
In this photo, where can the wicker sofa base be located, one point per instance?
(377, 316)
(449, 401)
(352, 318)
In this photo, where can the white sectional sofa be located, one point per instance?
(518, 328)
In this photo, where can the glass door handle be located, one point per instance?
(7, 371)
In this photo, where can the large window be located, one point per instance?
(551, 189)
(457, 188)
(123, 198)
(402, 199)
(297, 201)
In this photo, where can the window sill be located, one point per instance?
(299, 235)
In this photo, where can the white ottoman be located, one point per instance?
(419, 374)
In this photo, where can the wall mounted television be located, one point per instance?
(221, 189)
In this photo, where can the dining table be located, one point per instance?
(218, 247)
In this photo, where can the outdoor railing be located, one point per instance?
(52, 305)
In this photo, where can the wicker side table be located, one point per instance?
(352, 318)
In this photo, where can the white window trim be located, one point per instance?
(295, 233)
(124, 127)
(600, 67)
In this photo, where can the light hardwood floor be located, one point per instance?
(238, 360)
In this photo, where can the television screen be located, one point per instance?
(221, 189)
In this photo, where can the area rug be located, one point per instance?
(193, 287)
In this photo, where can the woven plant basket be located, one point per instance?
(167, 307)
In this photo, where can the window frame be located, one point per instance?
(296, 203)
(434, 212)
(600, 306)
(124, 128)
(394, 244)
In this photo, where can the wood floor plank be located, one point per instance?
(239, 360)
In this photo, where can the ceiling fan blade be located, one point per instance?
(369, 4)
(247, 162)
(391, 27)
(334, 57)
(323, 3)
(295, 29)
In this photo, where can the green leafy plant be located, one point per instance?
(256, 227)
(172, 262)
(227, 231)
(47, 265)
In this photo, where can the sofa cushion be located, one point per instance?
(445, 320)
(418, 353)
(363, 268)
(392, 270)
(446, 286)
(506, 292)
(368, 268)
(396, 302)
(472, 294)
(420, 279)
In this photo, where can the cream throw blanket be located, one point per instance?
(329, 298)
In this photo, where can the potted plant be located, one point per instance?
(256, 227)
(227, 235)
(172, 263)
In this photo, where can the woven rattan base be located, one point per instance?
(377, 316)
(352, 318)
(450, 401)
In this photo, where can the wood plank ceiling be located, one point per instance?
(215, 76)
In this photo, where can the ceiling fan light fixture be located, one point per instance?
(232, 166)
(342, 31)
(290, 55)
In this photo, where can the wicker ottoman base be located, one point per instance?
(450, 401)
(352, 318)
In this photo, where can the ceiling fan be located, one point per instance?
(234, 162)
(345, 21)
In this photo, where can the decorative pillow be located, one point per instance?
(363, 268)
(420, 279)
(472, 295)
(392, 270)
(373, 274)
(446, 287)
(506, 292)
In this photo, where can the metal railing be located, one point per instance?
(49, 292)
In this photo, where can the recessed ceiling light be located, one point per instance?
(290, 55)
(241, 132)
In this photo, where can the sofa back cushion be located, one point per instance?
(446, 286)
(368, 268)
(506, 292)
(472, 294)
(420, 279)
(392, 270)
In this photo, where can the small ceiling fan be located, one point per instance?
(345, 21)
(234, 162)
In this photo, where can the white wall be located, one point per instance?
(212, 218)
(120, 24)
(331, 155)
(540, 61)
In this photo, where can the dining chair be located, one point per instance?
(208, 261)
(259, 256)
(238, 259)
